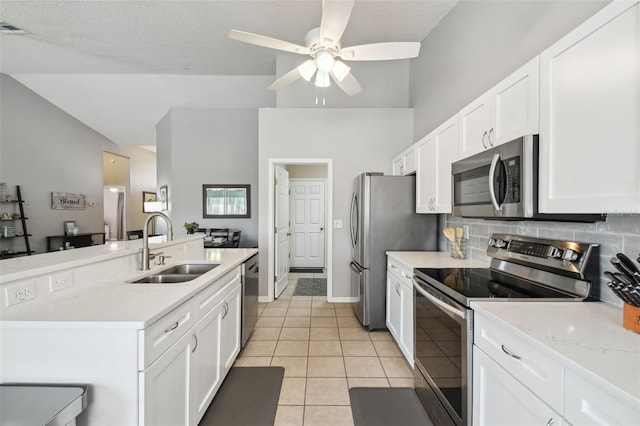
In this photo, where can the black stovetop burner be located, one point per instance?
(485, 283)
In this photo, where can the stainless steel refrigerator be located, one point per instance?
(383, 217)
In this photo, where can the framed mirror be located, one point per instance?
(221, 200)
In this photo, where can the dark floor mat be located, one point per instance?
(248, 397)
(307, 270)
(311, 287)
(387, 406)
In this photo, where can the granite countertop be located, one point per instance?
(103, 298)
(435, 259)
(586, 336)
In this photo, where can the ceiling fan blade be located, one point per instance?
(269, 42)
(380, 51)
(349, 84)
(335, 16)
(285, 80)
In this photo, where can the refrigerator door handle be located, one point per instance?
(353, 226)
(356, 269)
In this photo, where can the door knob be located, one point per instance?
(322, 229)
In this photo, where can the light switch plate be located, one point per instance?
(337, 223)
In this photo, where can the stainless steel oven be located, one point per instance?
(522, 268)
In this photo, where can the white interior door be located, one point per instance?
(281, 229)
(307, 223)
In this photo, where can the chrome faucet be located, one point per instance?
(146, 256)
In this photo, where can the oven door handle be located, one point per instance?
(438, 302)
(492, 190)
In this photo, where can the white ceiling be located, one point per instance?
(186, 41)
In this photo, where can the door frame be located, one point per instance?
(324, 212)
(328, 162)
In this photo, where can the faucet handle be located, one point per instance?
(161, 258)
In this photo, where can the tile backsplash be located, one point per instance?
(619, 233)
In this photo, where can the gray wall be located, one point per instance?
(44, 150)
(358, 140)
(477, 45)
(473, 48)
(208, 146)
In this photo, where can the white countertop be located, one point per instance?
(588, 336)
(434, 259)
(108, 302)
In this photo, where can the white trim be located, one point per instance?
(272, 162)
(344, 299)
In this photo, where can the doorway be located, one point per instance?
(114, 212)
(313, 241)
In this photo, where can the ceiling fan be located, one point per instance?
(324, 47)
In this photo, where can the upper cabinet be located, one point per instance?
(435, 153)
(507, 111)
(590, 116)
(405, 163)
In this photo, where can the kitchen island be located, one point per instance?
(146, 351)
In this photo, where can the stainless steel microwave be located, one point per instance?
(502, 183)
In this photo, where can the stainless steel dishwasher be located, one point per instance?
(250, 287)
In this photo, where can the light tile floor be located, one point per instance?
(324, 351)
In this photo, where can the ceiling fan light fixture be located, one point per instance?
(307, 69)
(322, 79)
(340, 70)
(325, 61)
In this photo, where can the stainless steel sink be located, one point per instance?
(177, 274)
(190, 269)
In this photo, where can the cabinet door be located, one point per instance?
(514, 106)
(231, 328)
(406, 321)
(207, 376)
(393, 306)
(397, 165)
(166, 386)
(425, 174)
(474, 126)
(499, 399)
(590, 116)
(445, 139)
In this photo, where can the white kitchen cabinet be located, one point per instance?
(505, 112)
(499, 399)
(166, 387)
(435, 153)
(405, 163)
(400, 306)
(590, 116)
(218, 339)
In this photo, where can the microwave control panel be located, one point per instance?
(512, 166)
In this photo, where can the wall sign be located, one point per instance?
(65, 201)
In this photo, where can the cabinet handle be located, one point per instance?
(550, 422)
(406, 276)
(511, 354)
(490, 133)
(226, 309)
(172, 327)
(398, 289)
(484, 135)
(393, 266)
(196, 344)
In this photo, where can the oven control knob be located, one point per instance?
(555, 252)
(491, 242)
(569, 255)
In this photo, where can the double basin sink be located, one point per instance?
(176, 274)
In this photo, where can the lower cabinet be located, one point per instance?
(400, 306)
(178, 386)
(499, 399)
(166, 387)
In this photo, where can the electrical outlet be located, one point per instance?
(337, 223)
(60, 281)
(18, 293)
(465, 232)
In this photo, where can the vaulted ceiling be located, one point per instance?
(173, 38)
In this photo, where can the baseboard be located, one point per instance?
(343, 299)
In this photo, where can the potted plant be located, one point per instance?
(191, 227)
